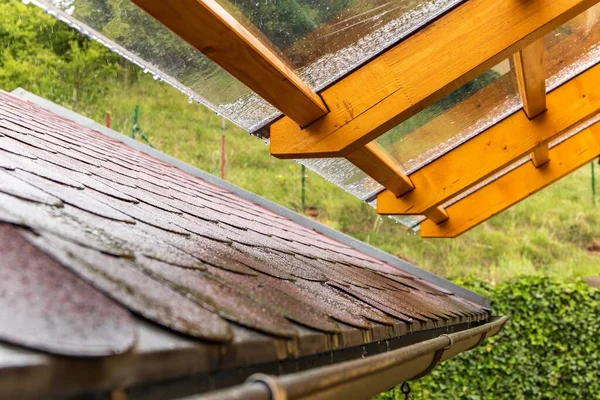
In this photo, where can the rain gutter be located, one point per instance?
(362, 378)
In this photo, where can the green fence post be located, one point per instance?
(303, 193)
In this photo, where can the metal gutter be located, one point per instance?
(249, 196)
(362, 378)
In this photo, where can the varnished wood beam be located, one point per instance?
(419, 71)
(531, 77)
(382, 167)
(497, 147)
(516, 185)
(209, 28)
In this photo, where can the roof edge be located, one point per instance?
(249, 196)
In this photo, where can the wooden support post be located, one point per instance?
(420, 70)
(382, 167)
(496, 148)
(531, 77)
(540, 156)
(209, 28)
(516, 185)
(437, 215)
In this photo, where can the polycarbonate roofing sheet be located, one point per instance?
(573, 47)
(130, 32)
(569, 50)
(454, 119)
(322, 41)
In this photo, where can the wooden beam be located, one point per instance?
(516, 185)
(382, 167)
(420, 70)
(531, 78)
(497, 147)
(209, 28)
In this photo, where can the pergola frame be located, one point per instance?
(345, 118)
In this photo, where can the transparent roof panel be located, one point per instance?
(344, 174)
(573, 47)
(130, 32)
(456, 118)
(324, 40)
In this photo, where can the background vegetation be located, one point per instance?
(549, 350)
(555, 233)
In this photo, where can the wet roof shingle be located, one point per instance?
(126, 231)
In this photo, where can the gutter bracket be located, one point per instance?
(481, 339)
(436, 360)
(277, 391)
(437, 356)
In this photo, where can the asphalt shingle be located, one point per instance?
(139, 234)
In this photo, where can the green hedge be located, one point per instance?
(550, 349)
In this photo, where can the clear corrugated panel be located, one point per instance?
(136, 36)
(456, 118)
(573, 47)
(344, 174)
(324, 40)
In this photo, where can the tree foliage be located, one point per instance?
(46, 56)
(550, 349)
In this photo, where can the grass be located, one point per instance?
(547, 234)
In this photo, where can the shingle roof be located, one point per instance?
(95, 234)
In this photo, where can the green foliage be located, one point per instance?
(550, 349)
(40, 53)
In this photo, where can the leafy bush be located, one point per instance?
(550, 349)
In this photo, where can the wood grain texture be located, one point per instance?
(420, 70)
(382, 167)
(516, 185)
(499, 146)
(531, 77)
(209, 28)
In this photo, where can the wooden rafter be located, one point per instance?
(516, 185)
(420, 70)
(209, 28)
(382, 167)
(496, 148)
